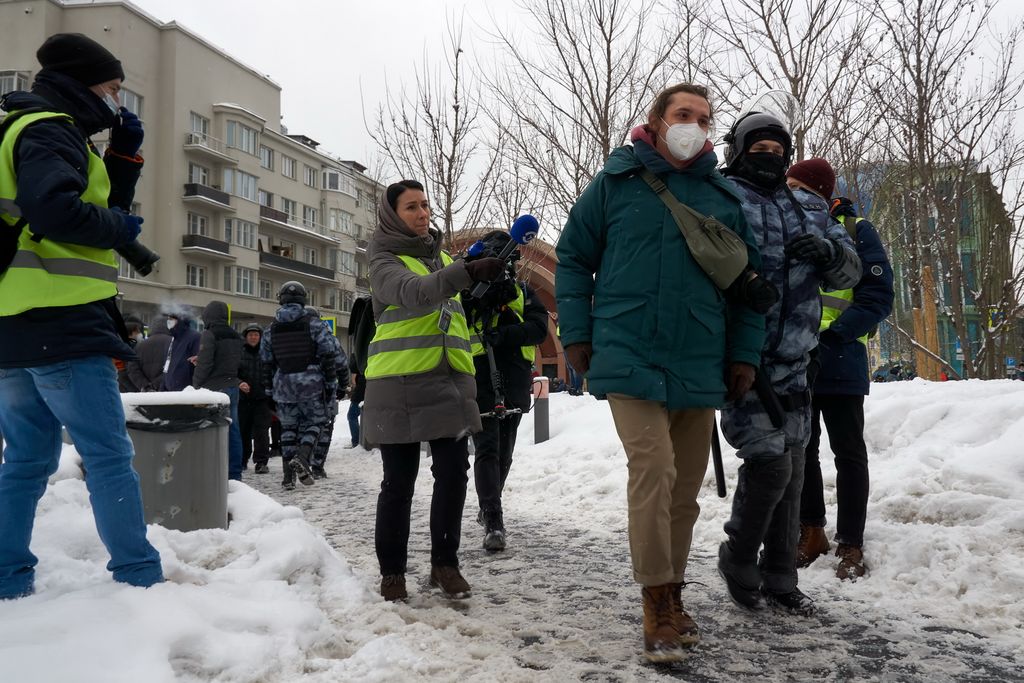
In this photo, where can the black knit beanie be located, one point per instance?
(79, 57)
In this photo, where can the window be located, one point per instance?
(347, 263)
(290, 207)
(125, 270)
(13, 80)
(347, 300)
(265, 198)
(227, 278)
(286, 249)
(309, 255)
(243, 137)
(266, 289)
(198, 174)
(132, 101)
(199, 125)
(195, 276)
(309, 175)
(266, 158)
(309, 216)
(288, 167)
(341, 220)
(197, 224)
(311, 297)
(245, 281)
(339, 182)
(242, 233)
(240, 184)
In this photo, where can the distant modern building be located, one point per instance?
(234, 205)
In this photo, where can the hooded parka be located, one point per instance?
(441, 402)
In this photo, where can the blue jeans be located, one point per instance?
(82, 395)
(234, 437)
(354, 411)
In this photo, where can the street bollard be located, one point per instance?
(541, 424)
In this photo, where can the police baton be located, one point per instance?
(716, 458)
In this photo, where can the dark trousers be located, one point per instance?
(354, 410)
(275, 434)
(449, 464)
(844, 420)
(254, 424)
(493, 459)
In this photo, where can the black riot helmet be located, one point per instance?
(292, 292)
(751, 128)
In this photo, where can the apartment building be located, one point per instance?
(233, 203)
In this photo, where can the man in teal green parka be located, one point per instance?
(653, 333)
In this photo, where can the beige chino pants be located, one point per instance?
(667, 455)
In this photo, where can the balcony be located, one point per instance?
(209, 148)
(209, 196)
(362, 282)
(290, 265)
(206, 246)
(361, 244)
(279, 219)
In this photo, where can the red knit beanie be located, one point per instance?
(816, 174)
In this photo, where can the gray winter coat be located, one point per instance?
(220, 351)
(437, 404)
(147, 371)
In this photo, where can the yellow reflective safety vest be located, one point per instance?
(834, 303)
(47, 273)
(517, 306)
(410, 341)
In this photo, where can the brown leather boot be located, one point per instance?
(661, 639)
(686, 627)
(813, 544)
(851, 562)
(392, 587)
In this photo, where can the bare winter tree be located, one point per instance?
(431, 135)
(945, 112)
(805, 48)
(573, 81)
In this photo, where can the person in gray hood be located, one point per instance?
(420, 383)
(220, 352)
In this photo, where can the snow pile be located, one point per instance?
(268, 600)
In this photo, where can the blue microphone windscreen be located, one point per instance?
(524, 228)
(476, 248)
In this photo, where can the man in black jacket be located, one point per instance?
(220, 352)
(511, 321)
(147, 371)
(63, 209)
(254, 405)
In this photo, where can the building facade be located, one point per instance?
(234, 205)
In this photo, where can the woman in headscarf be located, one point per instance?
(420, 384)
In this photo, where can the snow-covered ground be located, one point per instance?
(289, 594)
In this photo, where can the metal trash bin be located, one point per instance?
(181, 456)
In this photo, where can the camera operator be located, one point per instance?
(59, 326)
(511, 320)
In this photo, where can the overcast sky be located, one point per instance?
(322, 52)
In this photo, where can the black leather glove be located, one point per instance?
(126, 134)
(488, 269)
(842, 206)
(812, 249)
(494, 337)
(753, 291)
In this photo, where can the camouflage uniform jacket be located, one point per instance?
(318, 377)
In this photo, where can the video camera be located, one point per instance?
(139, 256)
(523, 230)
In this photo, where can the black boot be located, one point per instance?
(494, 530)
(300, 464)
(794, 602)
(289, 477)
(760, 486)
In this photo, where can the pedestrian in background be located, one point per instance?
(253, 403)
(216, 369)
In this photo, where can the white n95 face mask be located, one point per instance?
(171, 322)
(111, 104)
(685, 140)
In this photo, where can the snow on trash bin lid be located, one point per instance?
(176, 411)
